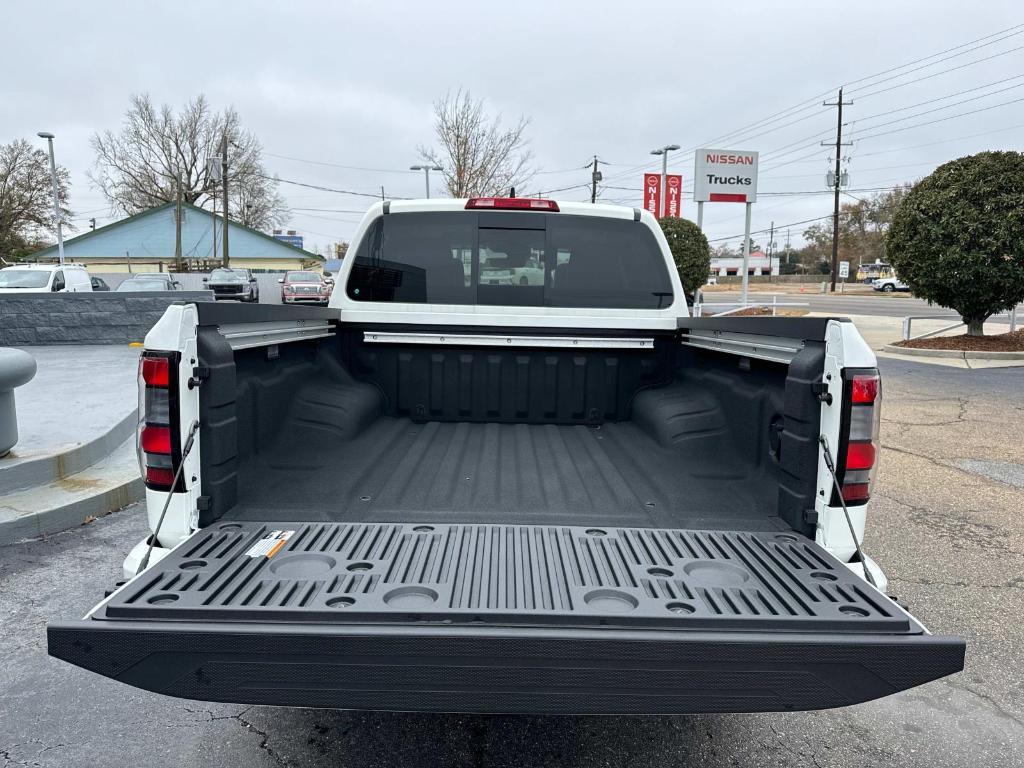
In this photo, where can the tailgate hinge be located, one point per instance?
(200, 373)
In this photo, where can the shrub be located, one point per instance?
(690, 251)
(957, 238)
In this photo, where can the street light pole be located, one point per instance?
(56, 195)
(224, 190)
(663, 151)
(426, 173)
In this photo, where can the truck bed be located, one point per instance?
(398, 470)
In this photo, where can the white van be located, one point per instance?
(45, 278)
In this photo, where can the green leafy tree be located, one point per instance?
(690, 251)
(957, 238)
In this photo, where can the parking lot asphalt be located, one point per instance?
(944, 523)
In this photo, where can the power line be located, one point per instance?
(971, 46)
(942, 141)
(963, 49)
(939, 120)
(778, 226)
(339, 165)
(777, 153)
(564, 189)
(930, 111)
(934, 74)
(947, 96)
(374, 195)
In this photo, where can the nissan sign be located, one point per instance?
(652, 193)
(725, 176)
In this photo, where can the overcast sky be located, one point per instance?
(351, 83)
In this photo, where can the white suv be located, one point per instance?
(45, 278)
(890, 284)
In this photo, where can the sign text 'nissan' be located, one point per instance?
(652, 193)
(673, 196)
(725, 176)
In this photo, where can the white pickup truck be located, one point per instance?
(561, 495)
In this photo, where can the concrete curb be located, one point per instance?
(952, 354)
(71, 515)
(46, 469)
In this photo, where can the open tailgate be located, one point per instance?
(505, 618)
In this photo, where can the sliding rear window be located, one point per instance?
(510, 259)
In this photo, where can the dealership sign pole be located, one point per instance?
(727, 176)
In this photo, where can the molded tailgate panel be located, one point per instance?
(492, 618)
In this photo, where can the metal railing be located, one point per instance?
(909, 319)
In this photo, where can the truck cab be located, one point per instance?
(453, 492)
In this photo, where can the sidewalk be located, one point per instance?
(879, 331)
(78, 394)
(75, 457)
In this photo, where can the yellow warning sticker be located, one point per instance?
(270, 544)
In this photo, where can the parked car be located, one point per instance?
(149, 282)
(99, 284)
(233, 283)
(45, 278)
(468, 497)
(305, 287)
(890, 284)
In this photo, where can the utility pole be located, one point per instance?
(771, 250)
(177, 223)
(595, 177)
(92, 224)
(839, 103)
(224, 181)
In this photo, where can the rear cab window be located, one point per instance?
(510, 259)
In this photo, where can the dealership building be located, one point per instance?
(145, 242)
(758, 264)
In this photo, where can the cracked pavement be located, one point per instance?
(950, 537)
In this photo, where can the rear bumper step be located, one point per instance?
(510, 619)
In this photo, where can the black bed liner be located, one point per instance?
(397, 470)
(499, 618)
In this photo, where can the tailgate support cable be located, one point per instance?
(144, 563)
(839, 493)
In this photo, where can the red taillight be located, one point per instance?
(156, 439)
(856, 493)
(159, 476)
(512, 203)
(156, 371)
(158, 415)
(860, 456)
(860, 437)
(865, 389)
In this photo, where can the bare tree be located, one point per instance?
(26, 197)
(477, 154)
(138, 167)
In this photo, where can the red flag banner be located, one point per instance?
(652, 193)
(674, 196)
